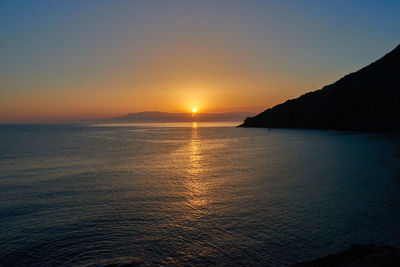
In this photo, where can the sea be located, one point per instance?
(192, 194)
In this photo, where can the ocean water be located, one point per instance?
(192, 195)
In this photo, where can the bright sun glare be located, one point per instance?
(194, 110)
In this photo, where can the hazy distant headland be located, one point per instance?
(368, 99)
(158, 116)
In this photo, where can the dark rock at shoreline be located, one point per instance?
(368, 99)
(358, 256)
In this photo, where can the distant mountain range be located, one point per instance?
(158, 116)
(368, 99)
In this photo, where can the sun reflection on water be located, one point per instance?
(195, 180)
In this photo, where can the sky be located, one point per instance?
(71, 60)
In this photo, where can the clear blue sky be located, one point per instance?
(79, 59)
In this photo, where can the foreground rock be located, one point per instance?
(368, 99)
(359, 256)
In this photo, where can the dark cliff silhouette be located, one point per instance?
(368, 99)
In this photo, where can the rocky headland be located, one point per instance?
(368, 99)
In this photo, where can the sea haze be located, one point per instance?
(99, 194)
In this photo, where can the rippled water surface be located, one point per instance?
(88, 195)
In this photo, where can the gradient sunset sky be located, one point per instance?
(95, 59)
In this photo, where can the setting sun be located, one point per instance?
(195, 132)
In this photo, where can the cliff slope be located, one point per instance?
(368, 99)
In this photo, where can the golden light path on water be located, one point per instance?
(197, 186)
(193, 194)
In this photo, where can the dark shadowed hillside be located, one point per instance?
(368, 99)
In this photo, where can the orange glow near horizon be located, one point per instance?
(173, 57)
(171, 78)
